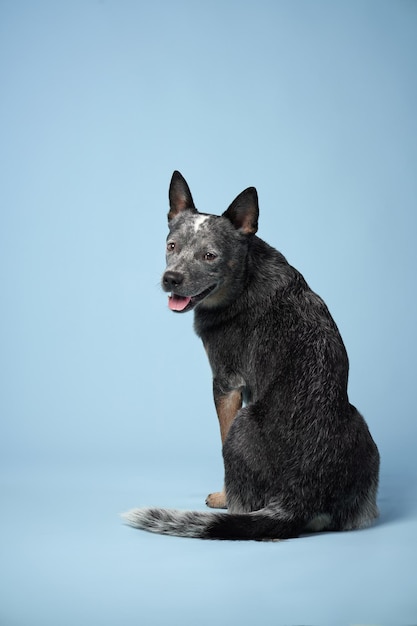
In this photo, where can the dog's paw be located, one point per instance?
(217, 500)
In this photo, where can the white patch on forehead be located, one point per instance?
(199, 221)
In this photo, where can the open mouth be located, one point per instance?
(181, 304)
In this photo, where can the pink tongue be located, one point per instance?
(178, 303)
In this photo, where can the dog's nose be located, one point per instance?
(171, 280)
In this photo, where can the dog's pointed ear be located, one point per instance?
(244, 212)
(180, 198)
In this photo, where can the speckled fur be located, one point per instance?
(298, 456)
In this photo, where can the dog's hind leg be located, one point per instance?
(227, 406)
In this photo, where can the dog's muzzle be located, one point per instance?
(171, 281)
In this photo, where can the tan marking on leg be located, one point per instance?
(217, 500)
(227, 407)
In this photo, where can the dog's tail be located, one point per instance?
(267, 523)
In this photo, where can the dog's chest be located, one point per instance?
(230, 354)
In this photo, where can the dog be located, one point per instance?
(298, 457)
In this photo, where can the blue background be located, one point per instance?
(105, 395)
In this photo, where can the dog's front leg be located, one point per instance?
(227, 406)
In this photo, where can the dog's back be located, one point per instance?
(298, 457)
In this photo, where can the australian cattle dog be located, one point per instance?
(298, 457)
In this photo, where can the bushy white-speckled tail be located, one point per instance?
(170, 521)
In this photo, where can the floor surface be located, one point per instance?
(68, 560)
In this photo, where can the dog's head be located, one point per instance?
(206, 253)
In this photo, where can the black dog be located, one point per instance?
(298, 457)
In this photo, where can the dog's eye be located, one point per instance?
(209, 256)
(170, 246)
